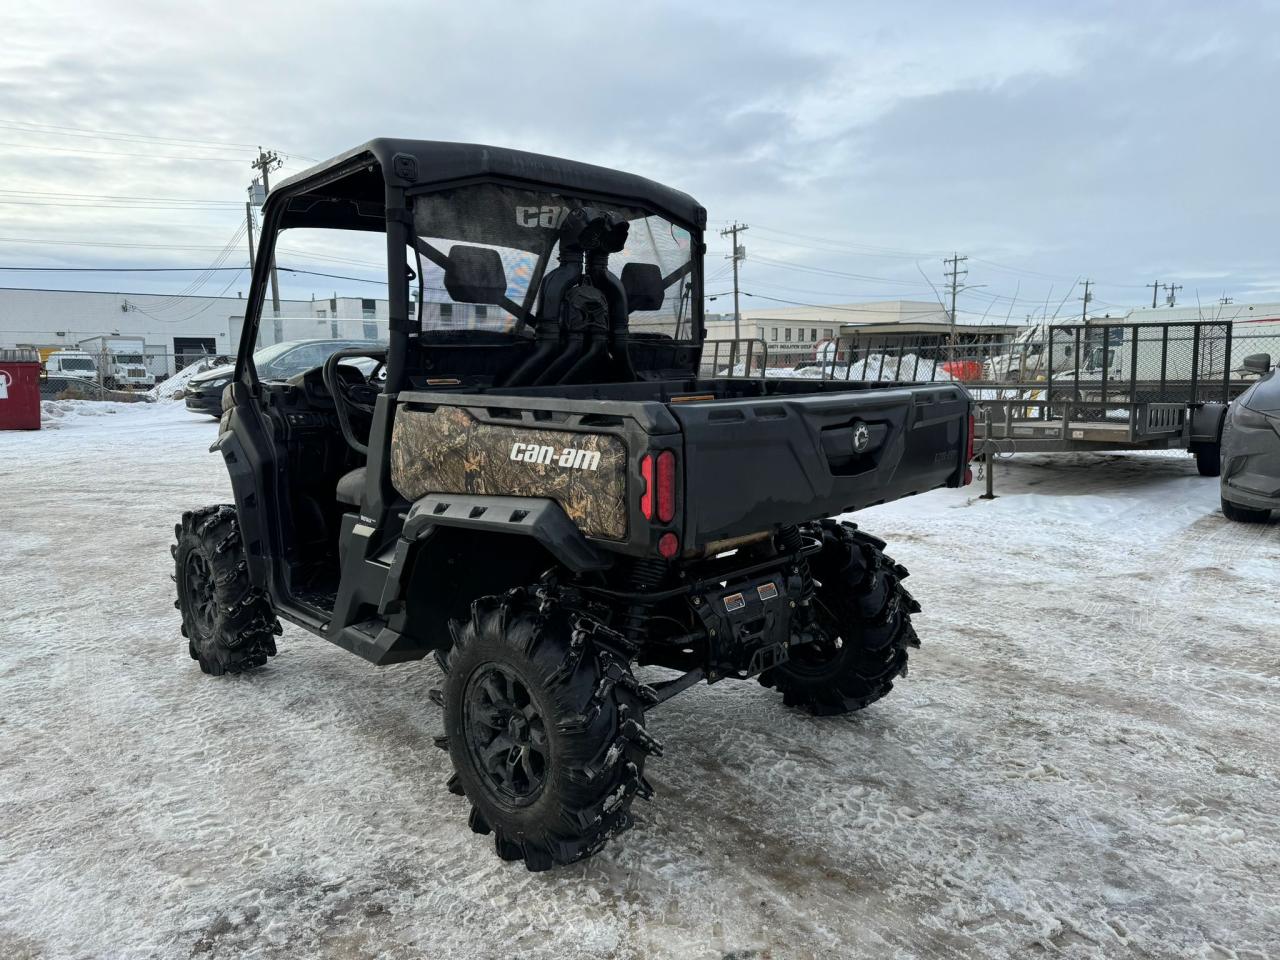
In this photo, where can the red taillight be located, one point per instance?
(646, 494)
(666, 486)
(668, 545)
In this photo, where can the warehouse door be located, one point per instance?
(189, 349)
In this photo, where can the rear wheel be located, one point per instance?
(1208, 459)
(1233, 511)
(545, 727)
(230, 626)
(864, 617)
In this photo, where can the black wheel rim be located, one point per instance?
(505, 734)
(816, 658)
(200, 595)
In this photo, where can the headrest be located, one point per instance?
(475, 275)
(643, 283)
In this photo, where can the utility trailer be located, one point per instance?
(1139, 387)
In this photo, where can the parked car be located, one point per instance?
(280, 361)
(1250, 484)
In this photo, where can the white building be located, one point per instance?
(174, 328)
(178, 328)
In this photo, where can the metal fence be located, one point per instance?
(160, 373)
(1193, 361)
(1122, 365)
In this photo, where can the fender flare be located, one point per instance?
(541, 518)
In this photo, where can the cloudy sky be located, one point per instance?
(862, 142)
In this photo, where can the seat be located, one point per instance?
(350, 490)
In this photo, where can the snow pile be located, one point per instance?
(875, 367)
(908, 366)
(172, 389)
(62, 413)
(1081, 764)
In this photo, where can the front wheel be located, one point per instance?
(230, 626)
(863, 615)
(1233, 511)
(545, 727)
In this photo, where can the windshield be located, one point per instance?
(283, 360)
(332, 287)
(75, 363)
(268, 355)
(523, 227)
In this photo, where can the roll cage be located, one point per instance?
(371, 188)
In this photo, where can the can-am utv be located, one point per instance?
(539, 486)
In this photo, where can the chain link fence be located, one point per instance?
(126, 378)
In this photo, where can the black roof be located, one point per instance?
(437, 162)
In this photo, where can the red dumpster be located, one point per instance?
(19, 390)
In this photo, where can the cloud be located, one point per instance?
(1123, 142)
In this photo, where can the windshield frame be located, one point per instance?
(693, 322)
(316, 198)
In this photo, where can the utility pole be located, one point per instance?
(1225, 300)
(955, 275)
(1086, 299)
(1155, 292)
(738, 253)
(269, 160)
(1173, 289)
(248, 219)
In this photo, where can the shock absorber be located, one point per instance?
(646, 574)
(791, 541)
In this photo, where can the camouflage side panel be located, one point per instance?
(447, 450)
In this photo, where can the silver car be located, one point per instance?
(1250, 482)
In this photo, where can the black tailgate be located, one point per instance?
(753, 463)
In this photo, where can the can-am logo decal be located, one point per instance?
(861, 436)
(568, 458)
(550, 217)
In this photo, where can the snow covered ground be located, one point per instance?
(1082, 763)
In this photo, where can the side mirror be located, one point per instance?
(1257, 362)
(475, 275)
(643, 283)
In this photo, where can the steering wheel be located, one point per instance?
(348, 395)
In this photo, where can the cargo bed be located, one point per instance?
(752, 454)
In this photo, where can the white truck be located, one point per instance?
(71, 364)
(121, 361)
(1026, 358)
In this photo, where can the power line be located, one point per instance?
(115, 269)
(872, 249)
(57, 194)
(19, 124)
(35, 147)
(783, 265)
(297, 270)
